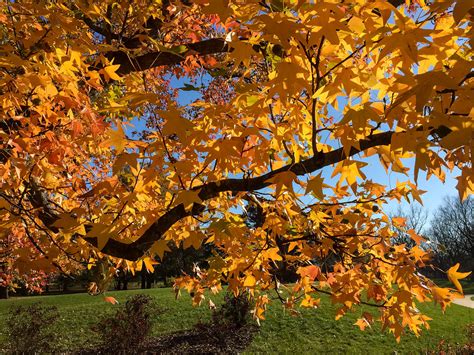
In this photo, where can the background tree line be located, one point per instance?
(449, 232)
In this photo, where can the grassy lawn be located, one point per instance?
(316, 331)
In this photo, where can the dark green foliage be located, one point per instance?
(29, 328)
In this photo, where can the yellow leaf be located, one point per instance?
(356, 25)
(315, 185)
(159, 248)
(283, 179)
(250, 281)
(272, 254)
(176, 124)
(362, 323)
(65, 221)
(116, 139)
(67, 68)
(149, 264)
(109, 72)
(187, 198)
(454, 276)
(195, 239)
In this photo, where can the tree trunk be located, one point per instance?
(143, 275)
(149, 280)
(3, 292)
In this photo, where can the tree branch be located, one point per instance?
(210, 190)
(175, 55)
(136, 249)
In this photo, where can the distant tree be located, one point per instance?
(181, 260)
(452, 232)
(416, 219)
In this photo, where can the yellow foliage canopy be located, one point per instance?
(100, 160)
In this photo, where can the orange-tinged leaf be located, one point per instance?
(111, 300)
(116, 139)
(454, 276)
(187, 198)
(418, 239)
(250, 281)
(399, 221)
(312, 271)
(362, 323)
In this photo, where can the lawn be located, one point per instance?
(315, 331)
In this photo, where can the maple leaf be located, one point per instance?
(316, 185)
(454, 276)
(116, 139)
(249, 281)
(149, 264)
(176, 123)
(312, 271)
(110, 72)
(362, 323)
(111, 300)
(283, 180)
(159, 248)
(187, 198)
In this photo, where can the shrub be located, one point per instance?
(457, 349)
(29, 328)
(129, 327)
(235, 310)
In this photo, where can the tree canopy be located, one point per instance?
(103, 161)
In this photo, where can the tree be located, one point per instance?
(414, 219)
(284, 90)
(452, 231)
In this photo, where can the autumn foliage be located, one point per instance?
(104, 161)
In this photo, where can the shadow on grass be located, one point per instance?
(204, 338)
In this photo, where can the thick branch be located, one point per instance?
(129, 64)
(138, 248)
(210, 190)
(175, 55)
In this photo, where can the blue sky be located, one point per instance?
(436, 191)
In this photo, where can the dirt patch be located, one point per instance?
(203, 339)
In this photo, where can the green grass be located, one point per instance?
(315, 331)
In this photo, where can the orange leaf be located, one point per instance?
(111, 300)
(312, 271)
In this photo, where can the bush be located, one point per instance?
(457, 349)
(29, 328)
(129, 327)
(234, 311)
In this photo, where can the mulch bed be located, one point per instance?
(202, 339)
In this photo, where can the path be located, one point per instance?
(466, 301)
